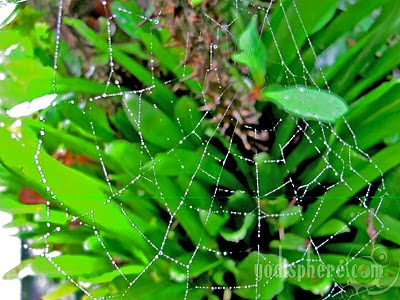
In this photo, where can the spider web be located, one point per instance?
(212, 73)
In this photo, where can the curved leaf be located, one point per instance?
(253, 53)
(155, 126)
(308, 103)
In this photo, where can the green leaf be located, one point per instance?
(340, 26)
(55, 217)
(195, 2)
(308, 103)
(149, 289)
(71, 60)
(292, 22)
(283, 134)
(128, 22)
(134, 158)
(61, 291)
(287, 293)
(242, 165)
(290, 241)
(188, 112)
(345, 22)
(270, 170)
(65, 237)
(9, 37)
(372, 121)
(17, 156)
(128, 17)
(73, 143)
(214, 222)
(318, 286)
(342, 270)
(182, 161)
(198, 194)
(391, 225)
(345, 70)
(98, 118)
(260, 268)
(274, 206)
(110, 276)
(73, 265)
(202, 262)
(372, 118)
(238, 235)
(26, 78)
(168, 191)
(122, 124)
(9, 203)
(332, 226)
(290, 216)
(382, 66)
(389, 206)
(253, 53)
(155, 126)
(339, 195)
(161, 95)
(102, 291)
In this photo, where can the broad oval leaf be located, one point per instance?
(308, 103)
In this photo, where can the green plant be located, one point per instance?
(145, 178)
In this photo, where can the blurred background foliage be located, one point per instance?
(355, 44)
